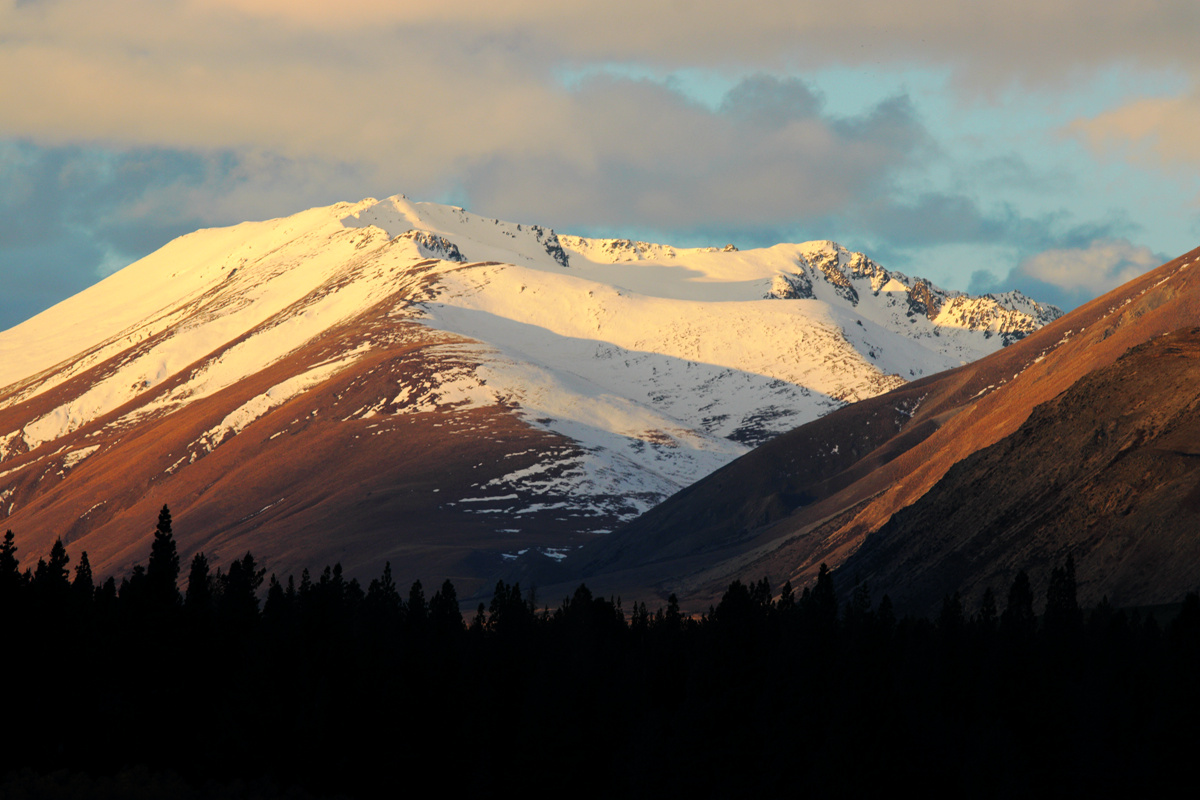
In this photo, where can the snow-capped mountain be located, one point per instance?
(262, 379)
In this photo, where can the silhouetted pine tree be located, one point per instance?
(198, 600)
(988, 616)
(11, 580)
(444, 614)
(951, 620)
(415, 611)
(52, 575)
(673, 619)
(1185, 629)
(1062, 617)
(52, 585)
(162, 570)
(822, 603)
(885, 616)
(83, 588)
(133, 592)
(275, 608)
(787, 598)
(383, 609)
(238, 596)
(1018, 620)
(736, 609)
(479, 621)
(858, 610)
(508, 612)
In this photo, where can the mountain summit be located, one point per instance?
(390, 380)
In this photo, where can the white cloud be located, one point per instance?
(1095, 269)
(1160, 130)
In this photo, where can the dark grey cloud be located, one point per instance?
(769, 101)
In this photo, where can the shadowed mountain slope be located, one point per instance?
(817, 493)
(1106, 472)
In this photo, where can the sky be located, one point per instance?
(1041, 145)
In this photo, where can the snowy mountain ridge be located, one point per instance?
(653, 365)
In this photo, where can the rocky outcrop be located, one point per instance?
(431, 245)
(548, 239)
(921, 300)
(794, 286)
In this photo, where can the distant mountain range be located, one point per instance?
(390, 380)
(1081, 440)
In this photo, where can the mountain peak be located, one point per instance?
(347, 382)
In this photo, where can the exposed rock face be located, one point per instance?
(434, 246)
(616, 250)
(828, 264)
(550, 243)
(921, 300)
(797, 286)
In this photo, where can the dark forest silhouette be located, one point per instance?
(319, 687)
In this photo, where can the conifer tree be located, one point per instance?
(10, 570)
(787, 598)
(1018, 619)
(950, 621)
(239, 590)
(278, 606)
(443, 609)
(986, 619)
(382, 592)
(824, 598)
(1063, 615)
(886, 615)
(383, 607)
(162, 570)
(83, 585)
(416, 612)
(858, 610)
(52, 576)
(673, 620)
(199, 588)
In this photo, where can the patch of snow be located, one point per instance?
(75, 456)
(238, 419)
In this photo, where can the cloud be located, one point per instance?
(1103, 265)
(1069, 276)
(646, 155)
(1160, 130)
(1033, 40)
(429, 83)
(430, 97)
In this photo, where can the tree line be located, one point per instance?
(321, 687)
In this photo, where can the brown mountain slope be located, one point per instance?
(1106, 472)
(815, 494)
(308, 484)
